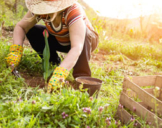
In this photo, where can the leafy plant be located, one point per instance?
(46, 56)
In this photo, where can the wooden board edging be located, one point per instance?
(140, 110)
(144, 80)
(158, 83)
(125, 117)
(147, 98)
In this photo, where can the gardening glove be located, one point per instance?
(59, 73)
(14, 57)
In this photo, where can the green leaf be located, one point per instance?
(84, 115)
(61, 125)
(47, 108)
(76, 119)
(74, 126)
(69, 119)
(43, 65)
(56, 121)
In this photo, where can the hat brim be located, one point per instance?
(47, 7)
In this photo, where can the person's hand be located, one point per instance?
(59, 75)
(14, 57)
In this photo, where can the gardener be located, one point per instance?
(70, 32)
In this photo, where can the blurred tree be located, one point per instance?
(155, 30)
(11, 11)
(11, 5)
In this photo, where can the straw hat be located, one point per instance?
(41, 7)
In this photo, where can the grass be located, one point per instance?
(131, 49)
(15, 98)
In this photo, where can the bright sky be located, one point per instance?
(125, 8)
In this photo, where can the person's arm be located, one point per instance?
(77, 33)
(22, 27)
(16, 49)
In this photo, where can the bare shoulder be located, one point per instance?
(78, 26)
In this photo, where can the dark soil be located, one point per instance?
(34, 80)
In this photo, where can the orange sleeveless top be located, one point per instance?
(70, 16)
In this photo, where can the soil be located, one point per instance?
(85, 81)
(98, 58)
(34, 80)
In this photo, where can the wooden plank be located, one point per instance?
(140, 110)
(125, 117)
(144, 80)
(147, 107)
(147, 98)
(132, 94)
(150, 91)
(158, 83)
(160, 98)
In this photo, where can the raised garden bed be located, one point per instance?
(141, 98)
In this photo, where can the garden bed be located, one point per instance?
(141, 98)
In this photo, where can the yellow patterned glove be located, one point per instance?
(14, 57)
(58, 74)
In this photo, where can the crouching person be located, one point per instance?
(69, 31)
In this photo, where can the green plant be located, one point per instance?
(30, 62)
(46, 56)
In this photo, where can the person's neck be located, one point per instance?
(57, 20)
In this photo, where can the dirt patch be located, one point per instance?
(8, 34)
(98, 58)
(33, 80)
(37, 80)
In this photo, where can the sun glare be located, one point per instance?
(125, 8)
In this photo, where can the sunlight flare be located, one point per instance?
(125, 8)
